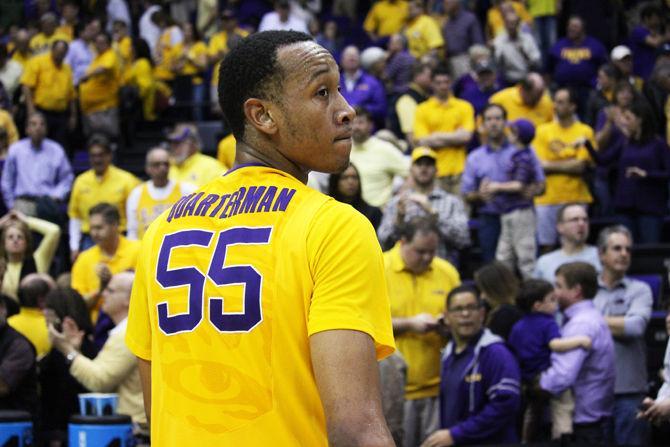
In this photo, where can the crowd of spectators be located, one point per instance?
(488, 133)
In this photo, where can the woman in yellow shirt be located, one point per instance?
(188, 63)
(17, 248)
(140, 75)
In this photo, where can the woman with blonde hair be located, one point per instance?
(16, 248)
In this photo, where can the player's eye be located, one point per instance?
(323, 92)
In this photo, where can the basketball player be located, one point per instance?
(260, 306)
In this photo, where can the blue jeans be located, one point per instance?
(198, 98)
(646, 228)
(623, 428)
(489, 232)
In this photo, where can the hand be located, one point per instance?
(584, 341)
(421, 200)
(423, 323)
(104, 274)
(440, 438)
(59, 340)
(655, 412)
(484, 190)
(73, 333)
(634, 171)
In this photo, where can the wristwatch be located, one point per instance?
(71, 356)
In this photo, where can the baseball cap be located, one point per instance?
(525, 130)
(423, 151)
(484, 66)
(11, 305)
(619, 52)
(180, 133)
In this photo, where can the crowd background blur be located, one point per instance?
(495, 141)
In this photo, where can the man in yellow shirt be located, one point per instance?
(99, 90)
(7, 123)
(189, 164)
(48, 87)
(559, 146)
(42, 41)
(527, 100)
(111, 254)
(30, 320)
(21, 52)
(104, 182)
(445, 124)
(418, 283)
(306, 312)
(149, 199)
(225, 151)
(423, 34)
(386, 17)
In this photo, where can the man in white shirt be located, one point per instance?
(148, 200)
(281, 19)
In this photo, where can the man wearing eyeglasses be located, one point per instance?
(480, 396)
(148, 200)
(626, 305)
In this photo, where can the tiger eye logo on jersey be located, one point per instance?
(254, 199)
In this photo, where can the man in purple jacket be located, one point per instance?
(360, 88)
(590, 374)
(480, 379)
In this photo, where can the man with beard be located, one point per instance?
(189, 164)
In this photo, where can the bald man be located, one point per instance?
(148, 200)
(528, 99)
(114, 369)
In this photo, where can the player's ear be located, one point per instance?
(257, 113)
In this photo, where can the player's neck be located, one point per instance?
(270, 157)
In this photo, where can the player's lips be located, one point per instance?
(344, 136)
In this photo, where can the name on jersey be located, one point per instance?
(252, 199)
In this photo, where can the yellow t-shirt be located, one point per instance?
(423, 35)
(555, 143)
(225, 152)
(124, 52)
(21, 58)
(52, 86)
(219, 43)
(85, 280)
(141, 75)
(148, 208)
(7, 122)
(510, 99)
(32, 324)
(386, 18)
(197, 169)
(495, 22)
(101, 92)
(166, 53)
(87, 191)
(198, 49)
(301, 263)
(40, 43)
(410, 295)
(435, 116)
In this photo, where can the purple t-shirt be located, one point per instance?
(644, 56)
(576, 65)
(529, 340)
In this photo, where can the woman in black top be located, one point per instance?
(499, 287)
(346, 187)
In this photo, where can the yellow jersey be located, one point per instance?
(454, 114)
(510, 99)
(231, 283)
(41, 43)
(225, 151)
(101, 92)
(197, 169)
(386, 18)
(88, 190)
(555, 143)
(33, 325)
(410, 295)
(423, 35)
(52, 86)
(148, 208)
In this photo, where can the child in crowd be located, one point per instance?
(533, 338)
(516, 244)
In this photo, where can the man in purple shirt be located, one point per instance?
(36, 167)
(488, 165)
(360, 88)
(590, 374)
(461, 30)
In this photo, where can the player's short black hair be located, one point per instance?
(464, 288)
(572, 94)
(440, 70)
(110, 213)
(251, 70)
(494, 105)
(532, 291)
